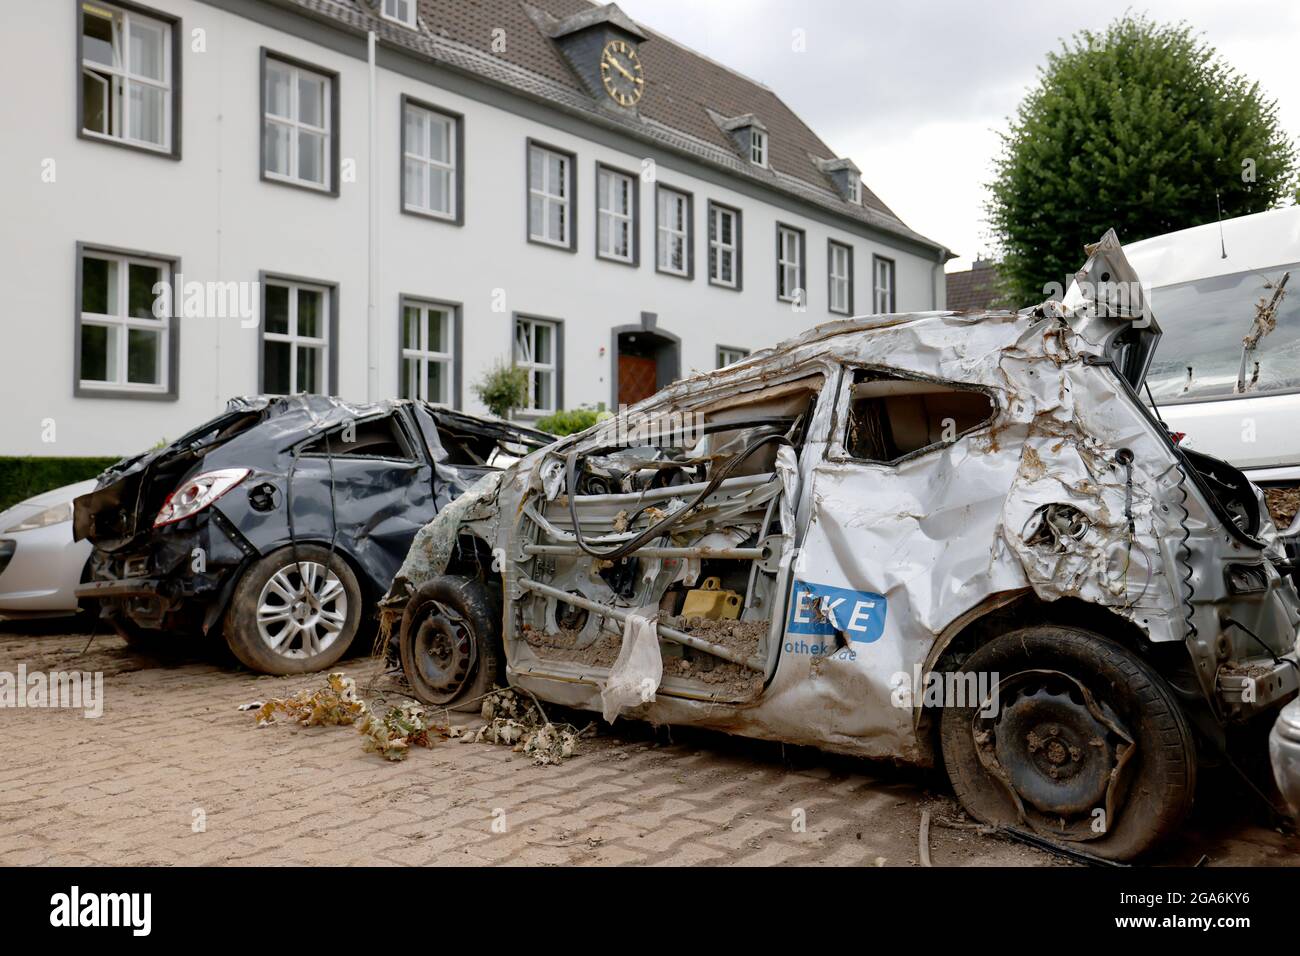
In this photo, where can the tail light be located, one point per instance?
(197, 493)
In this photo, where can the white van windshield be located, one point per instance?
(1204, 322)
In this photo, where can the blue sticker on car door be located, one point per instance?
(823, 609)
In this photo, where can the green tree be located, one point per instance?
(503, 388)
(1137, 128)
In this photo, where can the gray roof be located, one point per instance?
(684, 90)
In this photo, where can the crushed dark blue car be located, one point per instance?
(280, 522)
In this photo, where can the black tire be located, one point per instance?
(300, 568)
(141, 640)
(450, 643)
(1059, 773)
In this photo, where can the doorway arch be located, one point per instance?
(643, 359)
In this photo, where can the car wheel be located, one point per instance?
(450, 642)
(294, 611)
(1086, 744)
(142, 640)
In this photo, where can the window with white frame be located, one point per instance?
(400, 11)
(883, 292)
(550, 198)
(758, 147)
(295, 338)
(840, 265)
(428, 352)
(124, 340)
(724, 246)
(537, 352)
(855, 190)
(615, 215)
(789, 264)
(429, 152)
(730, 356)
(296, 127)
(674, 224)
(126, 76)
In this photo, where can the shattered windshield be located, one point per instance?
(1204, 322)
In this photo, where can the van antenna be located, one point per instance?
(1219, 210)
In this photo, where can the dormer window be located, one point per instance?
(846, 177)
(748, 134)
(400, 11)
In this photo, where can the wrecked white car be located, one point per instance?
(929, 538)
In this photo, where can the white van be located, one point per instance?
(1204, 284)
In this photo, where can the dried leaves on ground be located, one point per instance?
(1283, 503)
(522, 724)
(511, 719)
(332, 705)
(336, 704)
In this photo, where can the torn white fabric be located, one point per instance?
(639, 670)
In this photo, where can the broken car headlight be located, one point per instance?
(197, 493)
(43, 519)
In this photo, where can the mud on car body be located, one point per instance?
(823, 532)
(279, 521)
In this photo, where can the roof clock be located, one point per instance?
(620, 73)
(602, 45)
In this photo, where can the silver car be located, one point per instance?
(40, 564)
(936, 538)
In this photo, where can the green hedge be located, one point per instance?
(572, 421)
(23, 477)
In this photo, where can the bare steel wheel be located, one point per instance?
(294, 611)
(450, 642)
(1083, 742)
(443, 651)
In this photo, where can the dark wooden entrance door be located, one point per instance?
(637, 375)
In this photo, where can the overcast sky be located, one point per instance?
(915, 91)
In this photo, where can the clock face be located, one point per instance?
(620, 72)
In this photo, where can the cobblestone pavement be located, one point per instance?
(174, 773)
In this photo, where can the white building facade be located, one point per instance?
(207, 198)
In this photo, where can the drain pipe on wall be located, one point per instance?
(372, 244)
(936, 276)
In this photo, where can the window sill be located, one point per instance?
(551, 244)
(299, 184)
(448, 218)
(102, 390)
(162, 152)
(729, 286)
(688, 275)
(616, 260)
